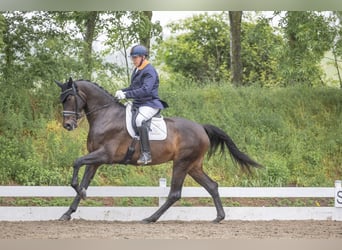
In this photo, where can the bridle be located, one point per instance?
(72, 91)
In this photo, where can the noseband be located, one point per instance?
(71, 91)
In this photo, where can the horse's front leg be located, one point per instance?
(89, 174)
(97, 158)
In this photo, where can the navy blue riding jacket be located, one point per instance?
(144, 87)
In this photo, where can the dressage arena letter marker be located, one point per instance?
(338, 194)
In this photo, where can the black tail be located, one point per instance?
(218, 139)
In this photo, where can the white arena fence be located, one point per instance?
(14, 213)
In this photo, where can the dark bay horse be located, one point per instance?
(186, 144)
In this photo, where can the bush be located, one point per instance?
(294, 132)
(21, 164)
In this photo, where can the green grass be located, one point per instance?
(294, 132)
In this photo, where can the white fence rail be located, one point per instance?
(174, 213)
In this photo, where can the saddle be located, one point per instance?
(157, 125)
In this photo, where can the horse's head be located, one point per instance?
(72, 102)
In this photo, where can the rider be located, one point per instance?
(144, 92)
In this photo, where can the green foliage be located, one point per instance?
(293, 132)
(338, 32)
(123, 175)
(126, 28)
(2, 29)
(36, 50)
(260, 53)
(21, 164)
(287, 55)
(201, 50)
(308, 35)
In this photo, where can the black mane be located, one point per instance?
(101, 88)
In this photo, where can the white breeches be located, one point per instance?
(145, 113)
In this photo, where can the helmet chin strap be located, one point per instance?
(141, 61)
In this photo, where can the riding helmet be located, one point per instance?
(139, 50)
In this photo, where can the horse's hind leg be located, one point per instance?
(89, 174)
(177, 180)
(212, 187)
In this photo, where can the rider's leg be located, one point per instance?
(145, 113)
(145, 155)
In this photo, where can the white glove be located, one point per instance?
(120, 95)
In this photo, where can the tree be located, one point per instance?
(36, 50)
(260, 52)
(145, 32)
(34, 45)
(200, 50)
(86, 23)
(90, 20)
(2, 30)
(235, 18)
(125, 28)
(308, 36)
(336, 17)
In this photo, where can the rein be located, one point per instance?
(95, 110)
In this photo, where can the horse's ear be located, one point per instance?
(59, 83)
(70, 82)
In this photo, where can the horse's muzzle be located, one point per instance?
(70, 125)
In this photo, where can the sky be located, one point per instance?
(166, 17)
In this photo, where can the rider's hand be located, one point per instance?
(120, 95)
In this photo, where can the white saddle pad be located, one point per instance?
(158, 130)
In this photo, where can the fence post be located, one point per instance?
(338, 193)
(162, 184)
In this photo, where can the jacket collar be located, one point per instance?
(143, 65)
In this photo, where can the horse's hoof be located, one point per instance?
(65, 217)
(147, 221)
(218, 220)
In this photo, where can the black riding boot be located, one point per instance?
(145, 156)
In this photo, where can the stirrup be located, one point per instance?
(145, 158)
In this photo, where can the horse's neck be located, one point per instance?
(98, 101)
(93, 94)
(109, 118)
